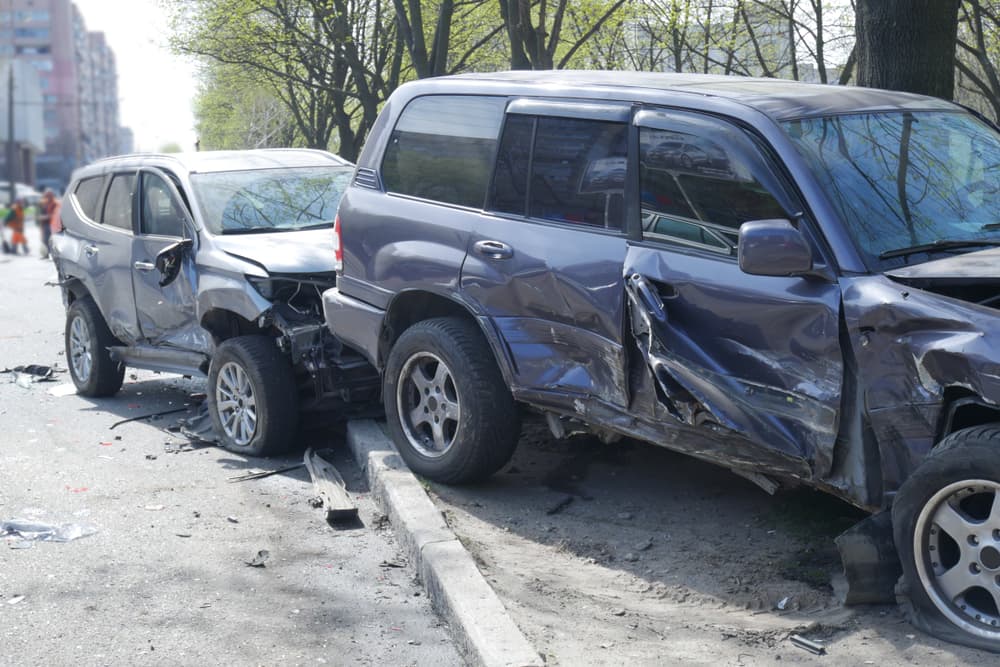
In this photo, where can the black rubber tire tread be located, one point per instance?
(276, 397)
(491, 423)
(106, 375)
(971, 453)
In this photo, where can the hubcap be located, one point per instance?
(957, 542)
(79, 349)
(234, 399)
(428, 405)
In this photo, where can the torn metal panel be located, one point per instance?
(914, 348)
(756, 358)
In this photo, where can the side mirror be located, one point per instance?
(773, 248)
(168, 261)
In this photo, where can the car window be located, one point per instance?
(88, 194)
(562, 169)
(259, 201)
(700, 179)
(118, 203)
(443, 147)
(162, 214)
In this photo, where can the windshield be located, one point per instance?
(909, 185)
(270, 200)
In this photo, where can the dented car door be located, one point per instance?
(168, 312)
(755, 359)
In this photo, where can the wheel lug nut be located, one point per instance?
(973, 540)
(974, 568)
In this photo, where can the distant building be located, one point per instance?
(78, 78)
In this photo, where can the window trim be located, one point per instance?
(104, 200)
(188, 221)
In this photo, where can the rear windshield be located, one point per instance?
(906, 180)
(270, 200)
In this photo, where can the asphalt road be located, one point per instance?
(165, 578)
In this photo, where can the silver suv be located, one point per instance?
(209, 264)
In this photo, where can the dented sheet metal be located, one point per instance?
(916, 351)
(756, 358)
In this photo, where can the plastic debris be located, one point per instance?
(783, 603)
(808, 645)
(24, 529)
(260, 560)
(61, 390)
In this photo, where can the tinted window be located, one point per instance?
(700, 179)
(88, 193)
(118, 204)
(574, 172)
(510, 185)
(443, 147)
(162, 215)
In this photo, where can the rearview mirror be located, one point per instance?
(773, 248)
(168, 261)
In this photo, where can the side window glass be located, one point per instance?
(442, 148)
(118, 203)
(88, 194)
(700, 179)
(162, 214)
(578, 171)
(510, 183)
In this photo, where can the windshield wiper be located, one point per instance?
(940, 244)
(257, 230)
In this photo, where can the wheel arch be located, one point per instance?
(411, 306)
(225, 324)
(964, 409)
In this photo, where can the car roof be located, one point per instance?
(780, 99)
(218, 161)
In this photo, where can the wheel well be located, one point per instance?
(408, 308)
(965, 410)
(225, 324)
(75, 289)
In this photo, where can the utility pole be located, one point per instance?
(11, 145)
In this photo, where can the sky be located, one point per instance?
(155, 88)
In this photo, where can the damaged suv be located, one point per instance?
(793, 281)
(210, 264)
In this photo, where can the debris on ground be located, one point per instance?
(149, 416)
(25, 376)
(391, 563)
(15, 599)
(23, 530)
(198, 428)
(783, 603)
(260, 560)
(330, 486)
(64, 389)
(563, 503)
(260, 474)
(808, 645)
(232, 519)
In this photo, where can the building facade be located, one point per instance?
(78, 78)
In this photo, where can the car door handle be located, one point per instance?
(493, 249)
(144, 266)
(90, 250)
(652, 302)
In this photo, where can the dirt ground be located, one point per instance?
(632, 554)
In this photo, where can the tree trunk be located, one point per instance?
(907, 45)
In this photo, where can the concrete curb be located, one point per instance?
(486, 634)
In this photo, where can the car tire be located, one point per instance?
(946, 525)
(448, 409)
(88, 338)
(252, 396)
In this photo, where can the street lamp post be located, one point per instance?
(11, 146)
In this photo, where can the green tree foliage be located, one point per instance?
(234, 111)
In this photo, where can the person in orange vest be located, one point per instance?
(15, 220)
(46, 211)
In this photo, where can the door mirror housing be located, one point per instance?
(773, 248)
(168, 260)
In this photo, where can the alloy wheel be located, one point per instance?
(236, 403)
(79, 349)
(428, 404)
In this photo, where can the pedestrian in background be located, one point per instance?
(46, 209)
(15, 220)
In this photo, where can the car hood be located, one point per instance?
(982, 265)
(307, 251)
